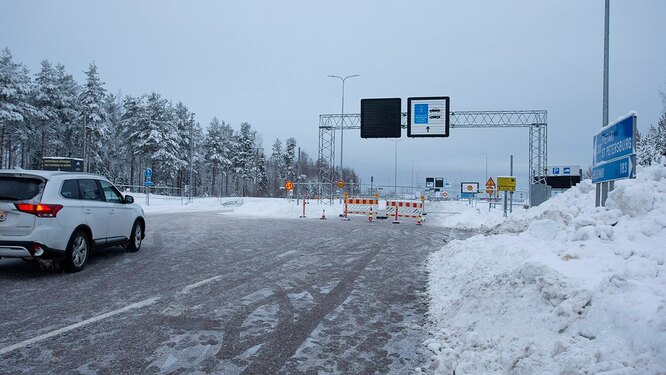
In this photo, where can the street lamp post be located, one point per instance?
(412, 161)
(191, 161)
(486, 178)
(342, 119)
(395, 172)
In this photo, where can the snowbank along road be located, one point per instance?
(210, 293)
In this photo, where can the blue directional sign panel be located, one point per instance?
(421, 113)
(621, 168)
(615, 140)
(428, 116)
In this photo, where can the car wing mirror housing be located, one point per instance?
(129, 199)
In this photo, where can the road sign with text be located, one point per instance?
(428, 116)
(506, 183)
(624, 167)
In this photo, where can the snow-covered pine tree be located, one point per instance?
(275, 167)
(183, 119)
(289, 168)
(115, 153)
(260, 175)
(158, 140)
(215, 153)
(69, 127)
(245, 155)
(652, 146)
(92, 102)
(15, 87)
(132, 121)
(46, 99)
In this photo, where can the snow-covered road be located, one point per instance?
(213, 293)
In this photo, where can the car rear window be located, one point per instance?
(89, 190)
(18, 188)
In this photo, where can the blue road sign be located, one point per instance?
(623, 167)
(615, 140)
(148, 183)
(420, 113)
(149, 173)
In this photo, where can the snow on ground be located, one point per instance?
(561, 288)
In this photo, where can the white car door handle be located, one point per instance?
(87, 211)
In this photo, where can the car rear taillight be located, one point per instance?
(40, 209)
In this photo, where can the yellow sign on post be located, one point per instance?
(506, 183)
(341, 184)
(289, 185)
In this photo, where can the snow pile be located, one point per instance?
(561, 288)
(242, 206)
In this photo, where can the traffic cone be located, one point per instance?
(323, 215)
(418, 220)
(370, 217)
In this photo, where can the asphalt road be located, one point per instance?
(211, 293)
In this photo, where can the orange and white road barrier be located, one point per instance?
(371, 216)
(405, 209)
(418, 220)
(361, 206)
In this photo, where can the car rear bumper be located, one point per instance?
(23, 249)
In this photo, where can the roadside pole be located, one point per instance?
(511, 193)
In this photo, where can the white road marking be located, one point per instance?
(86, 322)
(72, 327)
(200, 283)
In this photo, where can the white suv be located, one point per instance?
(63, 215)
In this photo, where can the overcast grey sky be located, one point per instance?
(265, 62)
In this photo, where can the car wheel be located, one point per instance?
(78, 251)
(136, 237)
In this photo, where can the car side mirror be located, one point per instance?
(129, 199)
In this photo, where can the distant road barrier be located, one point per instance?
(361, 206)
(406, 209)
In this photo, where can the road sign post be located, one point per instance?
(148, 183)
(506, 184)
(614, 155)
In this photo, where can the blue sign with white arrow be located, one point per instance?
(621, 168)
(149, 174)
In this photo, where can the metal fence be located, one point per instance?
(157, 193)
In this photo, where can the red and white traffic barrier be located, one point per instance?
(405, 209)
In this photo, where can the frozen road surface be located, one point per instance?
(210, 293)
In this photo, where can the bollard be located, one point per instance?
(396, 214)
(345, 217)
(418, 220)
(303, 216)
(370, 217)
(323, 215)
